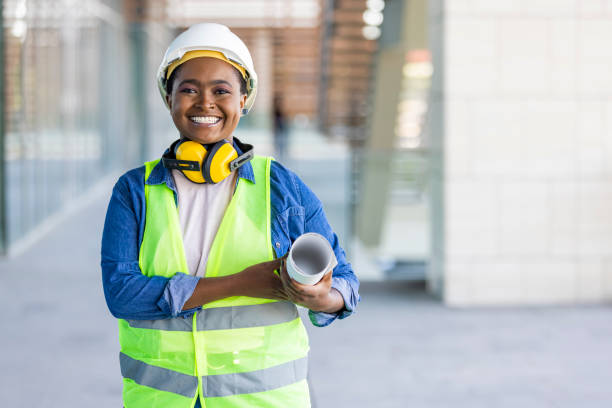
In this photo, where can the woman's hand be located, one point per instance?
(261, 281)
(318, 298)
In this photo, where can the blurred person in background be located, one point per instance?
(281, 134)
(193, 249)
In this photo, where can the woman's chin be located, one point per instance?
(207, 138)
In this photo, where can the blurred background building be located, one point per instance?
(464, 143)
(462, 150)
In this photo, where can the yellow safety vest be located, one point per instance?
(235, 352)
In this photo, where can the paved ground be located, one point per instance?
(404, 349)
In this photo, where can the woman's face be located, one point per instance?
(205, 102)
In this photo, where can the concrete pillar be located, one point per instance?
(525, 112)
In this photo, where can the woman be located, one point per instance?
(193, 246)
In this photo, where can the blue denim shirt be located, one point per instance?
(131, 295)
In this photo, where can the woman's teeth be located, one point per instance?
(205, 119)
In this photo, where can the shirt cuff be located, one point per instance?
(178, 290)
(322, 319)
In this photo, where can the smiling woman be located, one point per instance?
(194, 246)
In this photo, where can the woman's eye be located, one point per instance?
(188, 90)
(222, 91)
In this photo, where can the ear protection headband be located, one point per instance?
(206, 163)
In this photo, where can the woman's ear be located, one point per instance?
(243, 99)
(169, 101)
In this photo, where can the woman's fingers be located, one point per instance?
(288, 285)
(306, 294)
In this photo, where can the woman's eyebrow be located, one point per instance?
(220, 81)
(213, 82)
(190, 81)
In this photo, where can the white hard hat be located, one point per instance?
(210, 37)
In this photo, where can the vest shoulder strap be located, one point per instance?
(149, 166)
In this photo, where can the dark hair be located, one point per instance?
(170, 81)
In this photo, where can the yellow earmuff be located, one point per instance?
(217, 163)
(206, 164)
(191, 151)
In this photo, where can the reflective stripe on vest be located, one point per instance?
(244, 351)
(156, 377)
(214, 385)
(224, 318)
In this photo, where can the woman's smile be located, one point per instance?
(206, 121)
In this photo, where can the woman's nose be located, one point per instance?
(205, 101)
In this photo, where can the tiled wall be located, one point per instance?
(526, 142)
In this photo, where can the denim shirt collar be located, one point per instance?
(160, 174)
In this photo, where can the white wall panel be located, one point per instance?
(458, 139)
(494, 7)
(607, 137)
(527, 145)
(498, 141)
(546, 8)
(549, 132)
(589, 279)
(549, 281)
(590, 8)
(525, 218)
(497, 282)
